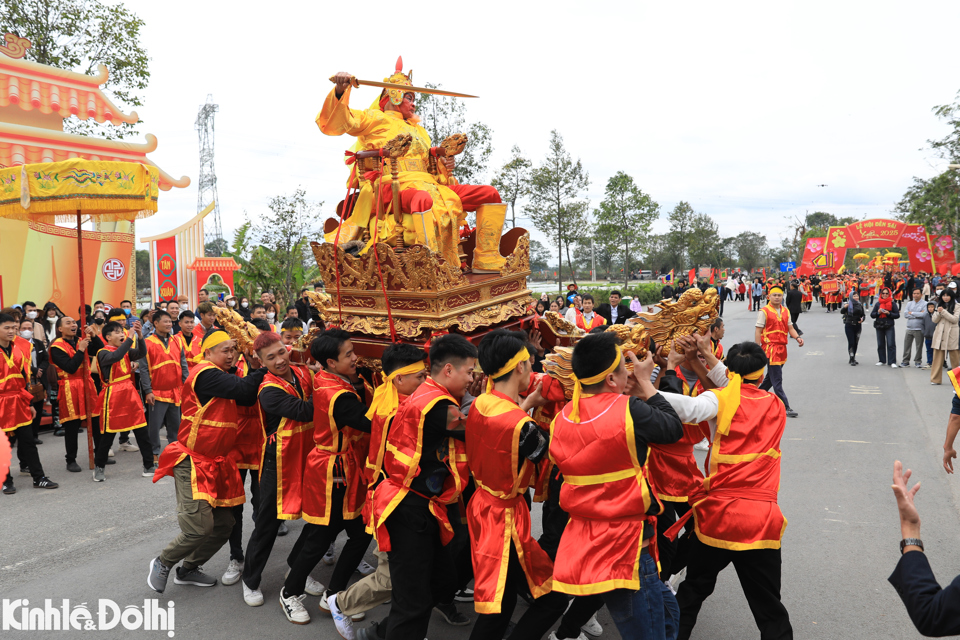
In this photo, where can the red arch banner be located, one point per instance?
(924, 251)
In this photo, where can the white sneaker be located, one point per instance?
(311, 587)
(592, 627)
(293, 608)
(676, 579)
(325, 608)
(703, 445)
(343, 623)
(253, 597)
(110, 453)
(365, 568)
(553, 636)
(232, 574)
(129, 446)
(330, 557)
(894, 366)
(881, 364)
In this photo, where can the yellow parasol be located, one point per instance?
(861, 256)
(75, 190)
(892, 254)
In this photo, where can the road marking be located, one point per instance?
(813, 353)
(831, 336)
(855, 441)
(864, 390)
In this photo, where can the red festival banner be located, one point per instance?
(166, 268)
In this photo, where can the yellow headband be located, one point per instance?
(386, 399)
(523, 354)
(215, 338)
(729, 398)
(776, 290)
(578, 387)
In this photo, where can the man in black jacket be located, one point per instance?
(615, 312)
(934, 611)
(794, 304)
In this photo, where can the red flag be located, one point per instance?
(691, 277)
(764, 274)
(712, 271)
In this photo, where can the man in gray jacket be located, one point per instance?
(914, 311)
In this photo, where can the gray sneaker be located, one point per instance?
(98, 474)
(148, 473)
(194, 576)
(157, 577)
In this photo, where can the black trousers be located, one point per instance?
(316, 542)
(106, 441)
(759, 574)
(534, 623)
(27, 453)
(553, 521)
(266, 525)
(774, 378)
(71, 431)
(853, 338)
(673, 553)
(421, 569)
(236, 536)
(756, 303)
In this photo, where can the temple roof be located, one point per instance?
(48, 90)
(30, 86)
(21, 144)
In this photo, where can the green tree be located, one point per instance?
(143, 269)
(539, 256)
(555, 204)
(681, 225)
(704, 246)
(625, 213)
(659, 253)
(443, 116)
(78, 35)
(934, 203)
(216, 248)
(512, 181)
(948, 147)
(275, 253)
(751, 249)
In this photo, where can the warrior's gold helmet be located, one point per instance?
(395, 95)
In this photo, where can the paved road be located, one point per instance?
(88, 541)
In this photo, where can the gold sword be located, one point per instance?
(402, 87)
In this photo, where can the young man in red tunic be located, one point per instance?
(599, 442)
(163, 371)
(588, 318)
(76, 392)
(332, 480)
(503, 445)
(205, 476)
(425, 465)
(16, 414)
(737, 519)
(771, 332)
(404, 370)
(121, 408)
(285, 406)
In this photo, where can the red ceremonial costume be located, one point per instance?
(248, 449)
(294, 442)
(401, 462)
(497, 514)
(195, 351)
(120, 403)
(207, 434)
(596, 321)
(76, 393)
(373, 471)
(15, 400)
(775, 333)
(736, 507)
(166, 376)
(605, 491)
(672, 468)
(335, 455)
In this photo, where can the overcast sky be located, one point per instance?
(740, 108)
